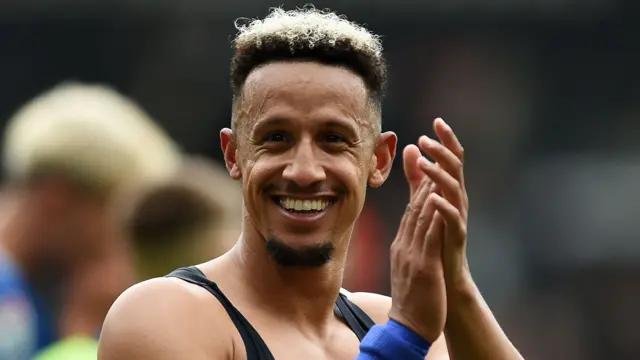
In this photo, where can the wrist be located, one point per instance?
(461, 291)
(427, 333)
(393, 341)
(408, 334)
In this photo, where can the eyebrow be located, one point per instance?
(341, 125)
(269, 122)
(324, 124)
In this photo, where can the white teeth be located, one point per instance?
(304, 205)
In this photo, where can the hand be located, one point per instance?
(452, 203)
(418, 290)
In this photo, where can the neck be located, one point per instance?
(309, 293)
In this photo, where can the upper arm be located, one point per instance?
(378, 306)
(160, 319)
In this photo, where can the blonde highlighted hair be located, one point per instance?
(90, 133)
(308, 34)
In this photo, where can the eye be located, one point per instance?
(275, 137)
(333, 138)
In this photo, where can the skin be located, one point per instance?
(56, 231)
(305, 129)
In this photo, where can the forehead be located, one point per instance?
(305, 91)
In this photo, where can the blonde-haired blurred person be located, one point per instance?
(66, 154)
(193, 217)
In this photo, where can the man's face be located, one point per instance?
(86, 230)
(85, 227)
(306, 148)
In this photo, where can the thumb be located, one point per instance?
(412, 172)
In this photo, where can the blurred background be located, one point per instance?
(544, 95)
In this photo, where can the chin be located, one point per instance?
(297, 238)
(312, 255)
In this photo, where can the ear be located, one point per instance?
(230, 150)
(382, 158)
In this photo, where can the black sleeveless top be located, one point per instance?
(352, 315)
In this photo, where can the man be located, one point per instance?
(176, 222)
(306, 142)
(66, 154)
(191, 218)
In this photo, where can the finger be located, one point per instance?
(448, 138)
(425, 218)
(417, 203)
(449, 186)
(434, 245)
(409, 212)
(410, 156)
(454, 224)
(442, 155)
(399, 239)
(403, 223)
(434, 187)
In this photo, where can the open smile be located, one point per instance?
(308, 208)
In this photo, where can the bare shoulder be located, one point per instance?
(166, 319)
(377, 307)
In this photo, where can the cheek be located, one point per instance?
(352, 175)
(94, 220)
(258, 170)
(255, 176)
(96, 229)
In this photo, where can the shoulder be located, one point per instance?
(166, 318)
(377, 307)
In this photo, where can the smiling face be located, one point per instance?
(306, 146)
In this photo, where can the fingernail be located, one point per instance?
(423, 162)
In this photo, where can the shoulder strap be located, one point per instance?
(357, 319)
(256, 348)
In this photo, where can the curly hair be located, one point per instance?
(308, 34)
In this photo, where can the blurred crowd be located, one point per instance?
(98, 194)
(96, 197)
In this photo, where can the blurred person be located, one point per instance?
(63, 260)
(188, 219)
(306, 142)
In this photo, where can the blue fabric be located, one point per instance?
(393, 341)
(25, 326)
(44, 320)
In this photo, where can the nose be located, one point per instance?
(304, 168)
